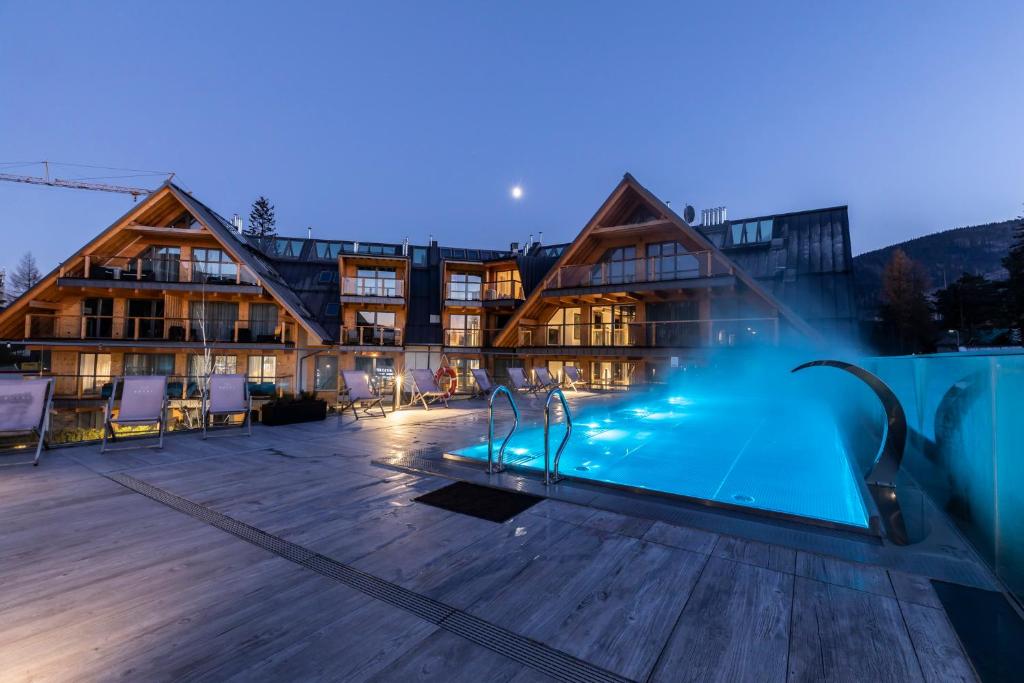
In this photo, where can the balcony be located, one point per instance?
(639, 274)
(358, 290)
(506, 292)
(463, 338)
(160, 273)
(669, 334)
(466, 294)
(44, 327)
(371, 335)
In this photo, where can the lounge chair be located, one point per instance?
(573, 377)
(484, 385)
(357, 390)
(517, 377)
(544, 381)
(229, 395)
(25, 411)
(143, 402)
(426, 390)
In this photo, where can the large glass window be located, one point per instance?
(213, 321)
(327, 250)
(162, 265)
(149, 364)
(99, 317)
(93, 372)
(463, 330)
(263, 322)
(506, 284)
(376, 281)
(464, 286)
(145, 319)
(564, 328)
(463, 367)
(613, 325)
(213, 265)
(381, 371)
(375, 328)
(262, 369)
(326, 378)
(419, 256)
(287, 247)
(671, 261)
(752, 231)
(617, 266)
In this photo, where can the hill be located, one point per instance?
(946, 255)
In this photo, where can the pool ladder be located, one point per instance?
(503, 390)
(550, 473)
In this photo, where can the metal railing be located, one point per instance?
(500, 389)
(142, 269)
(462, 291)
(459, 337)
(655, 334)
(509, 290)
(551, 474)
(694, 264)
(371, 335)
(153, 328)
(373, 286)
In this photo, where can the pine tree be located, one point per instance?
(261, 219)
(1014, 264)
(3, 288)
(25, 275)
(905, 307)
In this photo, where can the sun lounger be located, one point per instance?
(229, 395)
(357, 391)
(573, 377)
(426, 390)
(517, 377)
(143, 402)
(25, 411)
(484, 385)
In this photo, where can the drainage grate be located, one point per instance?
(552, 662)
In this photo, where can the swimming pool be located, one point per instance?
(781, 456)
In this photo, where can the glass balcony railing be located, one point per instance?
(462, 291)
(503, 291)
(660, 334)
(686, 266)
(139, 269)
(372, 286)
(463, 338)
(371, 335)
(142, 328)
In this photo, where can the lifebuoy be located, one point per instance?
(453, 379)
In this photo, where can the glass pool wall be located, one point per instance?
(965, 415)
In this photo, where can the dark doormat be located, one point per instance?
(989, 628)
(495, 505)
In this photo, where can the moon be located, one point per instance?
(517, 192)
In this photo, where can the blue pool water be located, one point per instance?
(779, 455)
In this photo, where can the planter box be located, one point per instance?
(292, 412)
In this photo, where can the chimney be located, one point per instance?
(309, 232)
(405, 246)
(540, 238)
(715, 216)
(236, 221)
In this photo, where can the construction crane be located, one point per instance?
(81, 183)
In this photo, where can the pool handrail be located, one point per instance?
(551, 476)
(881, 480)
(500, 389)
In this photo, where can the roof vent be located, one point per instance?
(715, 216)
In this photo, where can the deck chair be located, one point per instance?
(484, 385)
(517, 377)
(228, 395)
(426, 390)
(358, 391)
(143, 402)
(544, 381)
(25, 411)
(573, 377)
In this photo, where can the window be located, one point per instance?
(199, 369)
(162, 265)
(381, 371)
(564, 328)
(213, 321)
(262, 369)
(379, 318)
(327, 250)
(464, 286)
(376, 281)
(419, 256)
(326, 378)
(263, 323)
(376, 328)
(213, 265)
(287, 247)
(613, 325)
(617, 266)
(145, 319)
(93, 372)
(149, 364)
(505, 285)
(99, 317)
(331, 310)
(462, 367)
(752, 231)
(325, 276)
(671, 261)
(464, 330)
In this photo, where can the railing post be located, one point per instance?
(88, 260)
(551, 476)
(138, 269)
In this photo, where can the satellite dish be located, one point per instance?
(689, 213)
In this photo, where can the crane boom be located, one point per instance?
(135, 192)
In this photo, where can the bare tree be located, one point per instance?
(26, 275)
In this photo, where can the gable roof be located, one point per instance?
(613, 201)
(217, 226)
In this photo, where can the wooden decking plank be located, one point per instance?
(938, 649)
(863, 577)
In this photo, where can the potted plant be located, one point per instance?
(289, 410)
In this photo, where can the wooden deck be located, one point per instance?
(100, 582)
